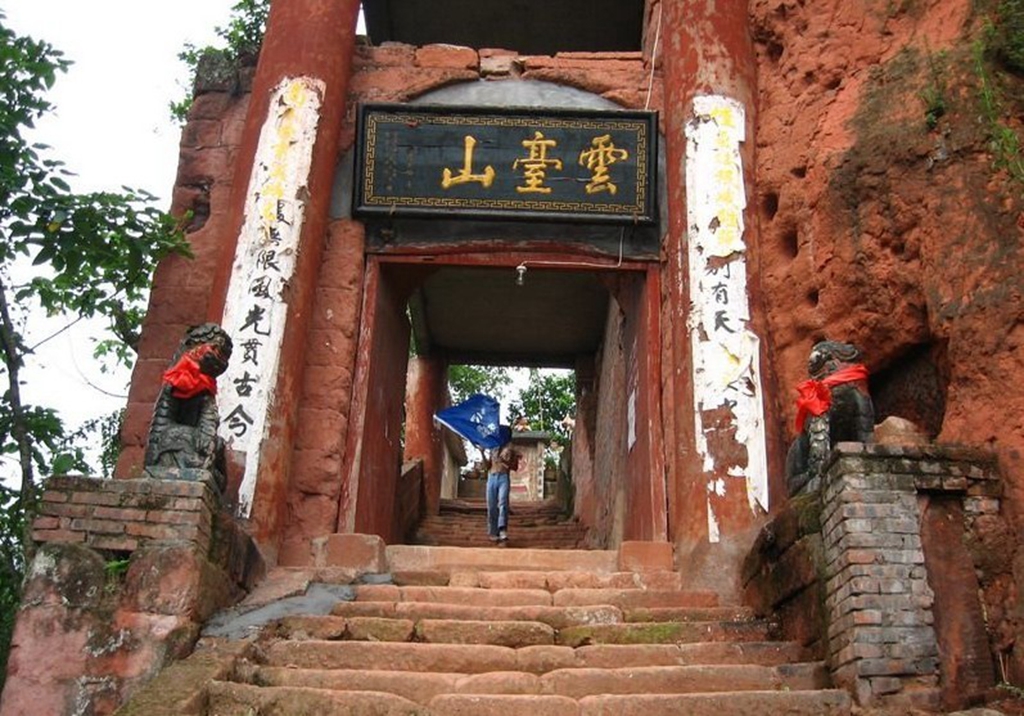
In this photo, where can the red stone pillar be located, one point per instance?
(424, 395)
(709, 69)
(309, 46)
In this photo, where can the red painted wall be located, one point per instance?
(375, 446)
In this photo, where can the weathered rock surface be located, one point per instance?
(886, 221)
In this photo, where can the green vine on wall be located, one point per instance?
(1006, 32)
(242, 38)
(999, 55)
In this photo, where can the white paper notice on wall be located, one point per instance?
(726, 351)
(631, 420)
(256, 308)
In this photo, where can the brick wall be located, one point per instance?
(114, 630)
(124, 515)
(883, 573)
(883, 643)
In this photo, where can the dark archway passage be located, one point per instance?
(596, 317)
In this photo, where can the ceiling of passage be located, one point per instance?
(481, 315)
(530, 27)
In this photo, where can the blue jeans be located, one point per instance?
(498, 484)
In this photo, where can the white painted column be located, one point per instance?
(726, 363)
(255, 312)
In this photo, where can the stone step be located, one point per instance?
(625, 599)
(572, 683)
(428, 631)
(474, 596)
(515, 529)
(411, 558)
(231, 699)
(750, 703)
(557, 617)
(479, 506)
(551, 581)
(462, 523)
(514, 633)
(635, 598)
(554, 581)
(516, 542)
(519, 537)
(662, 633)
(475, 659)
(478, 520)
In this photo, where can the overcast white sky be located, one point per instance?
(112, 127)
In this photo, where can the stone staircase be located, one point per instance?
(483, 632)
(535, 525)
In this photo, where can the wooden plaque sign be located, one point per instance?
(502, 163)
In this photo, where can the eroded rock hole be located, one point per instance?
(914, 386)
(791, 243)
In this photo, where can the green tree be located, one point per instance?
(548, 397)
(242, 39)
(464, 380)
(63, 253)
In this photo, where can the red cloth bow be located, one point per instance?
(815, 396)
(186, 378)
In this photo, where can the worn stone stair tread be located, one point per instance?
(415, 686)
(676, 632)
(456, 595)
(689, 614)
(532, 525)
(555, 581)
(627, 599)
(232, 699)
(456, 658)
(422, 557)
(580, 682)
(464, 631)
(475, 505)
(635, 598)
(575, 683)
(767, 653)
(557, 617)
(825, 702)
(475, 658)
(763, 703)
(502, 705)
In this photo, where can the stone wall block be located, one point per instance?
(325, 386)
(320, 430)
(389, 53)
(316, 472)
(451, 56)
(326, 347)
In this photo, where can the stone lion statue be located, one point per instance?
(183, 432)
(833, 406)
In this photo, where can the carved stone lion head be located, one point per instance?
(210, 345)
(829, 356)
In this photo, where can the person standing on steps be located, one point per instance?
(502, 461)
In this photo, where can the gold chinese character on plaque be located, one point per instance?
(466, 174)
(603, 153)
(535, 164)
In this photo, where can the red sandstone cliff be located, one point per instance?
(903, 238)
